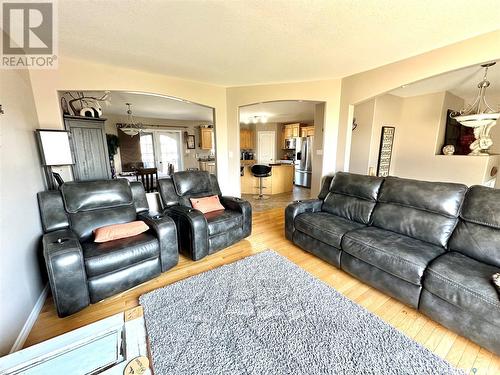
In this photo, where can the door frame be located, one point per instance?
(263, 132)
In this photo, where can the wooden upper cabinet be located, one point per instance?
(291, 131)
(206, 138)
(246, 139)
(287, 132)
(307, 131)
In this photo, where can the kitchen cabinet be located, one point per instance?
(280, 181)
(287, 132)
(307, 131)
(206, 137)
(247, 137)
(291, 131)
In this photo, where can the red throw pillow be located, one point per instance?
(207, 204)
(116, 231)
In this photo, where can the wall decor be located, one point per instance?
(190, 142)
(385, 151)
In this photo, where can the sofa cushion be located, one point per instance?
(325, 227)
(424, 210)
(117, 231)
(399, 255)
(352, 196)
(478, 232)
(207, 204)
(465, 283)
(111, 256)
(223, 221)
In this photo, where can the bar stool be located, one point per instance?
(261, 171)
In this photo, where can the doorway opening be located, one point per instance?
(284, 135)
(138, 132)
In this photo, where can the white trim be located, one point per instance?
(30, 322)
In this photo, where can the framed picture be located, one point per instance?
(385, 151)
(190, 142)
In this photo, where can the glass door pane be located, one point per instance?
(169, 151)
(147, 150)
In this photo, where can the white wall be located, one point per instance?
(366, 85)
(419, 135)
(317, 153)
(20, 180)
(361, 137)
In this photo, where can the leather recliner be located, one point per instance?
(202, 234)
(431, 245)
(81, 271)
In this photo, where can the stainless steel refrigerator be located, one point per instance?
(303, 162)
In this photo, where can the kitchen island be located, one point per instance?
(280, 181)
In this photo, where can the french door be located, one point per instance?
(163, 148)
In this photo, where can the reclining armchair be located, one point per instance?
(202, 234)
(81, 271)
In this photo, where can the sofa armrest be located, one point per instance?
(296, 208)
(66, 271)
(166, 232)
(192, 230)
(242, 206)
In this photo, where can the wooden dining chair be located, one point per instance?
(148, 177)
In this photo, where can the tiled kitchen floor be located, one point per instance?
(277, 200)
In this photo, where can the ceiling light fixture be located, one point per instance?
(131, 127)
(255, 119)
(480, 116)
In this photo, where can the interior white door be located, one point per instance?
(168, 151)
(266, 147)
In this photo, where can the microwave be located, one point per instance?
(290, 143)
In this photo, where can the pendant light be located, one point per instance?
(131, 127)
(480, 116)
(479, 113)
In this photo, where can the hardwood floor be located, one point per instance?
(268, 234)
(277, 200)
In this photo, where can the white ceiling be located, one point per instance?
(462, 82)
(153, 106)
(259, 41)
(280, 111)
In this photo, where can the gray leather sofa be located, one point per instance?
(81, 271)
(202, 234)
(431, 245)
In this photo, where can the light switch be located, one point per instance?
(319, 152)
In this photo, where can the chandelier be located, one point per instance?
(255, 119)
(131, 127)
(480, 116)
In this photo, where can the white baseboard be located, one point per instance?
(25, 331)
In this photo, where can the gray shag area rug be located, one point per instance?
(265, 315)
